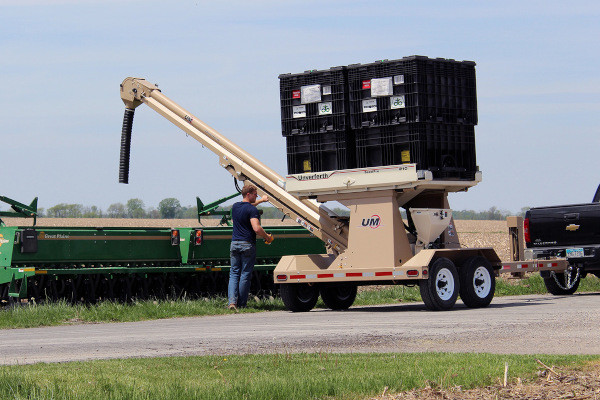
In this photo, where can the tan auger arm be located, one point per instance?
(135, 91)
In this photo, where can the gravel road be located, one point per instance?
(523, 324)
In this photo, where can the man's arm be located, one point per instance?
(263, 199)
(258, 229)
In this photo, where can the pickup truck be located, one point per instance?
(567, 231)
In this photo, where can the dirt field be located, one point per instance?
(552, 383)
(471, 233)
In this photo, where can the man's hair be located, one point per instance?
(248, 189)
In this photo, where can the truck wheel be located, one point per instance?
(477, 282)
(299, 297)
(339, 296)
(563, 283)
(440, 291)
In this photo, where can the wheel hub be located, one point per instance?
(482, 282)
(444, 284)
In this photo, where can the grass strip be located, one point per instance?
(534, 284)
(278, 376)
(61, 312)
(32, 315)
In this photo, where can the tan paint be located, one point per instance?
(516, 238)
(377, 236)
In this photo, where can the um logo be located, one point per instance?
(373, 222)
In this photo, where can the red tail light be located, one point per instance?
(526, 232)
(198, 237)
(175, 237)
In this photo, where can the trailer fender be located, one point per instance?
(425, 257)
(291, 264)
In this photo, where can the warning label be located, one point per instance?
(369, 105)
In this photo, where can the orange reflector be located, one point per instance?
(412, 272)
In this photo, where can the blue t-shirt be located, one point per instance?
(241, 212)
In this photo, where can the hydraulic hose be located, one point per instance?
(126, 145)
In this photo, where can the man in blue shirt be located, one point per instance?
(246, 225)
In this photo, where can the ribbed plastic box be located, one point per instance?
(314, 102)
(320, 152)
(412, 89)
(447, 150)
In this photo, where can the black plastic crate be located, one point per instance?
(412, 89)
(314, 102)
(447, 150)
(320, 152)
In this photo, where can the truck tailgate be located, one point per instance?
(577, 224)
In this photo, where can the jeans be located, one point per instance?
(243, 257)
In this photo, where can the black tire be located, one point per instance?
(299, 297)
(563, 283)
(440, 291)
(477, 282)
(339, 296)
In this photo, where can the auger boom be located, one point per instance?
(243, 166)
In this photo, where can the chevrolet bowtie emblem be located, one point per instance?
(572, 227)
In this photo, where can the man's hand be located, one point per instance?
(270, 238)
(263, 199)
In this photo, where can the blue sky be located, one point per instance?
(61, 63)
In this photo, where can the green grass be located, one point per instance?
(32, 315)
(534, 284)
(279, 376)
(388, 295)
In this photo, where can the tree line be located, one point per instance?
(171, 208)
(168, 208)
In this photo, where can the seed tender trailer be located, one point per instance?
(371, 246)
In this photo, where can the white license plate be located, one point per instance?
(575, 253)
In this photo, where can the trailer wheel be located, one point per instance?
(339, 296)
(299, 297)
(477, 282)
(564, 283)
(440, 291)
